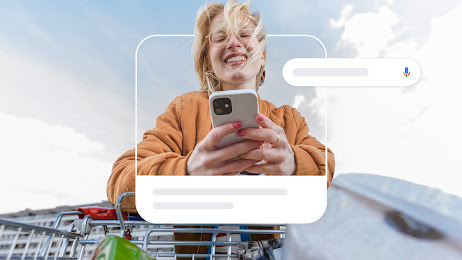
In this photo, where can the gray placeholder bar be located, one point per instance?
(331, 72)
(215, 192)
(193, 205)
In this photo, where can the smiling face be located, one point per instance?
(229, 62)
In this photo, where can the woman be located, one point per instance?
(229, 54)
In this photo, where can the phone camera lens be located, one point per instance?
(222, 106)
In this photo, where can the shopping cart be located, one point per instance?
(28, 241)
(92, 224)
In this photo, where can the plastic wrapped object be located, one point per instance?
(376, 217)
(116, 248)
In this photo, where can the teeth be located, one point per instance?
(236, 58)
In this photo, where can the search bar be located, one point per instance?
(331, 72)
(351, 72)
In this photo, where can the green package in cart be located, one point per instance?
(113, 247)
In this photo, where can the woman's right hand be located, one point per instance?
(206, 159)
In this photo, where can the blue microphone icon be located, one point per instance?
(406, 72)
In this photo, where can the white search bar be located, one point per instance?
(351, 72)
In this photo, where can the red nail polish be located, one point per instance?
(237, 124)
(241, 132)
(260, 142)
(260, 117)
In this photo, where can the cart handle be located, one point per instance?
(119, 210)
(100, 213)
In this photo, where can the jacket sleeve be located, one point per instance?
(310, 154)
(159, 153)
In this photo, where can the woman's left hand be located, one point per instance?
(276, 151)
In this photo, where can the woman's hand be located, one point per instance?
(207, 159)
(279, 156)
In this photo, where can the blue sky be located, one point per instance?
(67, 88)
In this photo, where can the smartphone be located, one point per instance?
(231, 106)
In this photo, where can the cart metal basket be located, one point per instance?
(24, 243)
(90, 225)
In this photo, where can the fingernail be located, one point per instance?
(241, 132)
(260, 142)
(260, 117)
(237, 124)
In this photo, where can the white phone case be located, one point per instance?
(244, 103)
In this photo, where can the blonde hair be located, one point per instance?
(233, 13)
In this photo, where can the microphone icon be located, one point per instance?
(406, 72)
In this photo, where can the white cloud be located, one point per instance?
(299, 99)
(314, 112)
(59, 136)
(411, 133)
(369, 32)
(35, 89)
(48, 165)
(344, 15)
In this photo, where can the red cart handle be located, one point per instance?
(99, 213)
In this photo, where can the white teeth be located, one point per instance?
(236, 58)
